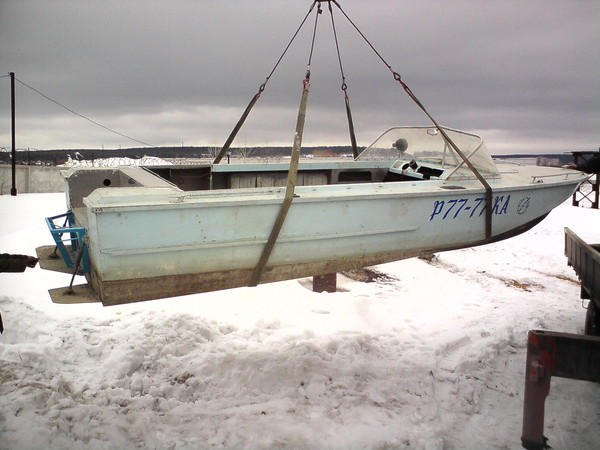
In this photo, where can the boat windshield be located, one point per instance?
(426, 145)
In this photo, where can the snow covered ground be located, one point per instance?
(430, 356)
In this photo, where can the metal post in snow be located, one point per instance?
(13, 190)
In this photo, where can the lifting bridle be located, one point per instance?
(293, 169)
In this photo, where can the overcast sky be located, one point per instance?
(525, 74)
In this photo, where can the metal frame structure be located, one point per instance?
(552, 354)
(76, 237)
(580, 195)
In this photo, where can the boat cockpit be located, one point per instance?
(399, 154)
(421, 153)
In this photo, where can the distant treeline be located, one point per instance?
(56, 157)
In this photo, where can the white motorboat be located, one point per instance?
(407, 194)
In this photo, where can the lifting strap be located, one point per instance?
(292, 171)
(344, 87)
(289, 189)
(244, 116)
(482, 180)
(397, 77)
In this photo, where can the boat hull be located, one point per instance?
(117, 292)
(213, 240)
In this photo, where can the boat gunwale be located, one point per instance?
(314, 194)
(274, 196)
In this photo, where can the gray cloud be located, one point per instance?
(524, 75)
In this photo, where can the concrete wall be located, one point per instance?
(31, 179)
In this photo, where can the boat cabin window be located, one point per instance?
(433, 156)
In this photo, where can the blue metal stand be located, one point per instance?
(75, 235)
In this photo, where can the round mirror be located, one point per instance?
(401, 145)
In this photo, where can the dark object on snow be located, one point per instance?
(16, 263)
(592, 165)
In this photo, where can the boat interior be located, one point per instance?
(399, 154)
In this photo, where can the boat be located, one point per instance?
(142, 233)
(155, 232)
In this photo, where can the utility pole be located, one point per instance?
(13, 190)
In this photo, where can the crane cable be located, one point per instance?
(412, 96)
(397, 77)
(262, 87)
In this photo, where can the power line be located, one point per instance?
(82, 116)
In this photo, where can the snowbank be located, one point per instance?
(114, 162)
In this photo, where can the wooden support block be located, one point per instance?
(327, 283)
